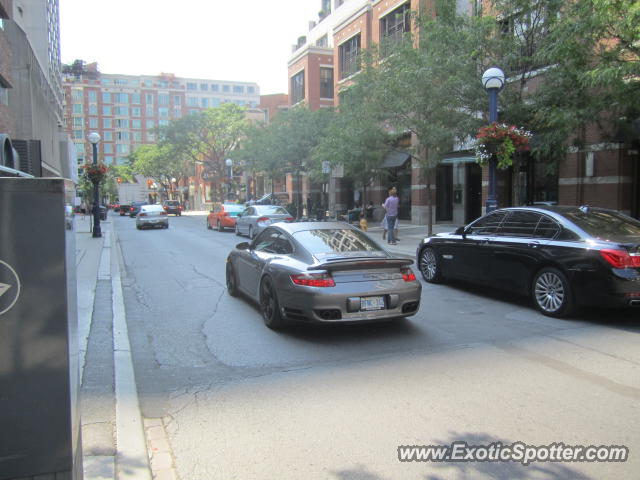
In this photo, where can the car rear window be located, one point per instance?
(326, 241)
(233, 208)
(151, 208)
(270, 209)
(172, 203)
(599, 223)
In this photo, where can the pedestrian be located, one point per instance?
(391, 208)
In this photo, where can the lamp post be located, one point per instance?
(492, 81)
(94, 138)
(229, 163)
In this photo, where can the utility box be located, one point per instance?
(39, 374)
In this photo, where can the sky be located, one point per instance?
(234, 40)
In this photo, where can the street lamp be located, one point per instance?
(493, 81)
(94, 138)
(229, 163)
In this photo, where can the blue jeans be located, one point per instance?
(391, 225)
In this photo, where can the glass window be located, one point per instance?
(177, 100)
(93, 122)
(137, 136)
(106, 123)
(177, 112)
(547, 228)
(348, 56)
(393, 26)
(122, 148)
(520, 224)
(136, 112)
(122, 136)
(107, 136)
(297, 87)
(163, 112)
(121, 98)
(326, 82)
(192, 86)
(487, 225)
(163, 99)
(238, 89)
(148, 98)
(604, 224)
(106, 97)
(76, 95)
(204, 87)
(226, 88)
(150, 124)
(192, 101)
(135, 98)
(108, 147)
(78, 122)
(77, 108)
(251, 90)
(215, 102)
(93, 109)
(92, 95)
(106, 110)
(273, 241)
(122, 123)
(121, 111)
(163, 122)
(215, 88)
(148, 110)
(204, 102)
(136, 123)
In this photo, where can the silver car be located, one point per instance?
(326, 272)
(256, 218)
(152, 216)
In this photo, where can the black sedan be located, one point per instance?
(322, 272)
(562, 257)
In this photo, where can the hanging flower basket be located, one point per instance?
(501, 140)
(95, 173)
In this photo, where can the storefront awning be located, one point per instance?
(395, 159)
(454, 160)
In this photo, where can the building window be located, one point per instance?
(177, 100)
(78, 122)
(135, 98)
(122, 148)
(297, 87)
(150, 124)
(149, 111)
(215, 102)
(136, 123)
(163, 99)
(121, 98)
(108, 136)
(326, 82)
(177, 112)
(394, 25)
(93, 122)
(108, 147)
(215, 88)
(122, 123)
(137, 136)
(323, 41)
(238, 89)
(163, 112)
(106, 97)
(204, 87)
(76, 95)
(192, 101)
(204, 102)
(92, 95)
(106, 110)
(106, 123)
(163, 123)
(225, 88)
(122, 136)
(121, 111)
(148, 98)
(251, 90)
(77, 108)
(348, 53)
(93, 109)
(136, 112)
(192, 86)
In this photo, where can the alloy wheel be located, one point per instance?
(429, 265)
(550, 292)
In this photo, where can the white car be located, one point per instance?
(152, 216)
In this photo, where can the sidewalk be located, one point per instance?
(113, 440)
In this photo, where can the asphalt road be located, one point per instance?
(240, 401)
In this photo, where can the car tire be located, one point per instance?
(269, 306)
(220, 227)
(208, 225)
(237, 230)
(232, 281)
(251, 234)
(551, 293)
(429, 265)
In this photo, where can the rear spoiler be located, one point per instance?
(356, 264)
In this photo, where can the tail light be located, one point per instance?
(142, 214)
(263, 219)
(166, 208)
(163, 213)
(313, 280)
(408, 275)
(180, 207)
(289, 219)
(620, 258)
(131, 209)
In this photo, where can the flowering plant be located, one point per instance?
(503, 140)
(95, 173)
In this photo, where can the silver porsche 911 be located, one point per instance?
(321, 272)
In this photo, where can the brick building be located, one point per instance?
(602, 174)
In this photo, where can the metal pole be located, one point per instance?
(97, 232)
(492, 197)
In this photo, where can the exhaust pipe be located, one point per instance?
(634, 303)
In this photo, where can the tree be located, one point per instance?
(208, 137)
(429, 84)
(157, 162)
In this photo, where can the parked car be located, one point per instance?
(256, 218)
(124, 209)
(562, 257)
(135, 208)
(224, 216)
(152, 216)
(172, 206)
(327, 272)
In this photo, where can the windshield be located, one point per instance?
(270, 209)
(605, 224)
(328, 241)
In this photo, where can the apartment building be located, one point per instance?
(127, 109)
(31, 125)
(324, 61)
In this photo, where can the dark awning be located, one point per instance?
(395, 159)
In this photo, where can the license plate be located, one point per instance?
(371, 303)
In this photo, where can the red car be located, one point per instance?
(224, 216)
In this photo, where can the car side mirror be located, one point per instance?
(239, 215)
(461, 231)
(243, 246)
